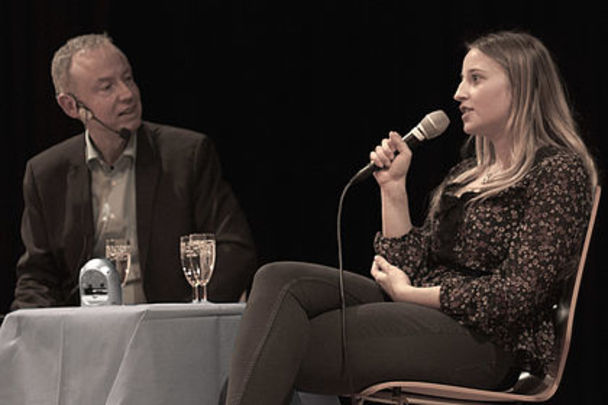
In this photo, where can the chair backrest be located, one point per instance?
(567, 306)
(542, 390)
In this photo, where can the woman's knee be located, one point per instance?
(274, 276)
(277, 274)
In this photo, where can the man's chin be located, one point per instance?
(132, 125)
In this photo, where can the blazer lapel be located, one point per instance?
(79, 227)
(147, 173)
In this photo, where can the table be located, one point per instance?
(132, 354)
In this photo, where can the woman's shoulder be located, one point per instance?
(558, 172)
(551, 154)
(558, 163)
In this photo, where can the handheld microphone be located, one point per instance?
(124, 133)
(431, 126)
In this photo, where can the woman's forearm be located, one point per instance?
(396, 220)
(427, 296)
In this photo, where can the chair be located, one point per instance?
(528, 388)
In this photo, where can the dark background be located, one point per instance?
(295, 94)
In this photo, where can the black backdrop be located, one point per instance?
(295, 94)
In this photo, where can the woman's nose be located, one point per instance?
(460, 92)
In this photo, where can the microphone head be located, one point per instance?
(433, 124)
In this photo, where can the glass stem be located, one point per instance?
(196, 293)
(204, 292)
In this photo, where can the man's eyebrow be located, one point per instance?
(103, 79)
(127, 71)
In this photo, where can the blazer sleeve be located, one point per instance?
(217, 210)
(38, 278)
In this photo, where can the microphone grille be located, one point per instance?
(433, 124)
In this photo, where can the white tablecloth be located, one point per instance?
(140, 354)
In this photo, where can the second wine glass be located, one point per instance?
(204, 243)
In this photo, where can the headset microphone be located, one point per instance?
(124, 133)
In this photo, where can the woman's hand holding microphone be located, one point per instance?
(393, 156)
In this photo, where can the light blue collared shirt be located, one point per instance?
(114, 208)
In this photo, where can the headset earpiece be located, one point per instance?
(85, 113)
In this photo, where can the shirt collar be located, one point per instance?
(93, 154)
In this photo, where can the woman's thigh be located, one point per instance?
(315, 287)
(398, 341)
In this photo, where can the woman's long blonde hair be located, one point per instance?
(539, 116)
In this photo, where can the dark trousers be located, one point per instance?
(290, 336)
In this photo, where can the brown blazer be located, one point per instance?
(179, 190)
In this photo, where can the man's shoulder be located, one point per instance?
(170, 140)
(63, 153)
(170, 133)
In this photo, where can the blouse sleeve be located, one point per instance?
(408, 252)
(548, 241)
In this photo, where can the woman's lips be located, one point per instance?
(465, 111)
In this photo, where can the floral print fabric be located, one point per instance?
(500, 262)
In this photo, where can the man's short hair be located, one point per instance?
(62, 59)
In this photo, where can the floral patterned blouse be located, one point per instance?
(499, 262)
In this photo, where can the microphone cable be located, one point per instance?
(345, 362)
(124, 133)
(431, 126)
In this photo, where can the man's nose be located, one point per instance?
(126, 91)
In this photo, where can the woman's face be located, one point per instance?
(484, 94)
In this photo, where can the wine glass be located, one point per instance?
(190, 265)
(118, 252)
(204, 243)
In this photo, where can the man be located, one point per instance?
(126, 178)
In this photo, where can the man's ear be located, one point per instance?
(69, 106)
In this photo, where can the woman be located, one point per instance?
(465, 299)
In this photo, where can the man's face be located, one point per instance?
(101, 78)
